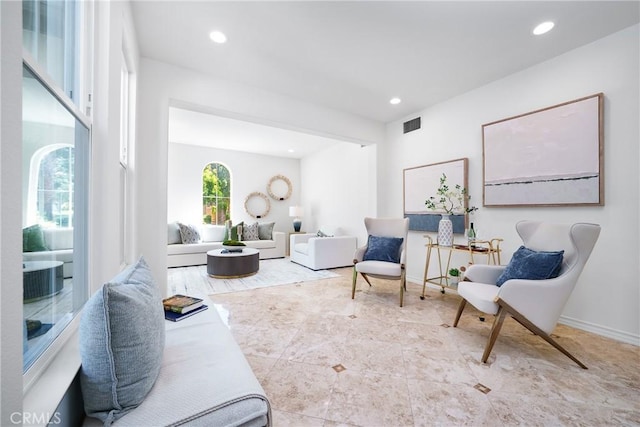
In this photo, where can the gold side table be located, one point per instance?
(489, 248)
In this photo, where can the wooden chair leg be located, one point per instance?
(463, 303)
(366, 278)
(537, 331)
(403, 286)
(353, 284)
(495, 330)
(554, 343)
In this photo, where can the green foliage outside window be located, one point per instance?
(216, 194)
(55, 188)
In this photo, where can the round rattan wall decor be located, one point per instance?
(267, 204)
(270, 187)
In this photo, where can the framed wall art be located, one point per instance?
(422, 182)
(549, 157)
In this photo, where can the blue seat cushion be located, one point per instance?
(533, 265)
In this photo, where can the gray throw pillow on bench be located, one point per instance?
(122, 335)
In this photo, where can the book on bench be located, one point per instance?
(176, 317)
(182, 304)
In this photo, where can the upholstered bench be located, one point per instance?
(203, 380)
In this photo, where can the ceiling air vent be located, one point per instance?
(412, 125)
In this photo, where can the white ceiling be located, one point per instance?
(354, 56)
(196, 128)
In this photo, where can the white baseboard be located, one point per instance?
(604, 331)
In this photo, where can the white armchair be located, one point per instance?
(536, 304)
(373, 266)
(319, 253)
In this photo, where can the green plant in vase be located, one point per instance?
(450, 201)
(454, 274)
(233, 245)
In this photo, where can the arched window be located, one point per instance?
(216, 194)
(51, 186)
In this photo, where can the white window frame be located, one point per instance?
(62, 355)
(128, 85)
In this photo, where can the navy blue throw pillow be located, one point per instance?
(533, 265)
(383, 249)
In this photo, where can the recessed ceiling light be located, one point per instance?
(218, 36)
(543, 28)
(291, 150)
(395, 101)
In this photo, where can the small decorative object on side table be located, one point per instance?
(471, 235)
(454, 277)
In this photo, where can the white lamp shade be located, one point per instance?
(296, 211)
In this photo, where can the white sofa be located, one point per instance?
(319, 253)
(182, 255)
(60, 244)
(204, 380)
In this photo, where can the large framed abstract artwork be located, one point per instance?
(421, 182)
(548, 157)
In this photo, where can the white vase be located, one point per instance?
(445, 231)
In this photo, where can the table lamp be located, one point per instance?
(296, 212)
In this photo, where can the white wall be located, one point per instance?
(607, 297)
(105, 198)
(63, 368)
(10, 211)
(339, 189)
(161, 85)
(249, 173)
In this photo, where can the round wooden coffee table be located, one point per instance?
(223, 264)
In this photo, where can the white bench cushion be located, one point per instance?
(204, 380)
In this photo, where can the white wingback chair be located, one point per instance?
(536, 304)
(382, 227)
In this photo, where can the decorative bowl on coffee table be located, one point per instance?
(233, 245)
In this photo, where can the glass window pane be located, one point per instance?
(55, 191)
(216, 190)
(49, 29)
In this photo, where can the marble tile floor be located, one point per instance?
(326, 360)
